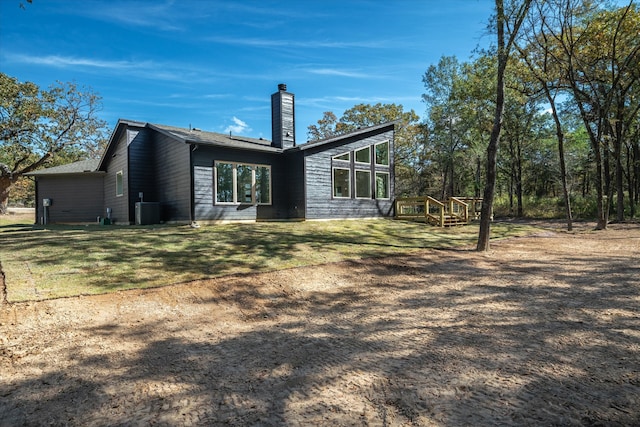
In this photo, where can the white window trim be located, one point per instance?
(375, 158)
(355, 193)
(234, 183)
(335, 158)
(333, 183)
(121, 175)
(355, 156)
(388, 185)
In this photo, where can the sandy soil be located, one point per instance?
(542, 330)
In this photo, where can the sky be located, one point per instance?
(214, 64)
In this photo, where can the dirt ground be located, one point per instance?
(542, 330)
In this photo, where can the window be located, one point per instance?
(382, 185)
(346, 156)
(382, 153)
(244, 180)
(224, 182)
(238, 183)
(119, 184)
(363, 184)
(263, 184)
(341, 183)
(363, 155)
(367, 172)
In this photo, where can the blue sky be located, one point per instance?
(214, 64)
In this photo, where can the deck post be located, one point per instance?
(426, 211)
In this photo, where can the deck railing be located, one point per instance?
(456, 211)
(475, 206)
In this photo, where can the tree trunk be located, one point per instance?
(519, 177)
(617, 149)
(632, 206)
(608, 188)
(477, 184)
(486, 214)
(484, 233)
(634, 175)
(452, 191)
(512, 176)
(600, 201)
(445, 176)
(5, 187)
(563, 165)
(492, 156)
(594, 139)
(3, 287)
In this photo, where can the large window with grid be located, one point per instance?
(362, 173)
(240, 183)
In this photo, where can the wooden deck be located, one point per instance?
(453, 212)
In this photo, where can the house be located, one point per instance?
(156, 173)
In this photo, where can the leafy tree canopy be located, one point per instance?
(359, 116)
(45, 127)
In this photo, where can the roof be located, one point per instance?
(83, 166)
(197, 136)
(357, 132)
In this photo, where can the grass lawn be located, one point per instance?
(58, 261)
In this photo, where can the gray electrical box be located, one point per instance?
(147, 213)
(46, 202)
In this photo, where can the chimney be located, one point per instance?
(283, 128)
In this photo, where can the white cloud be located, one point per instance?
(146, 69)
(66, 61)
(288, 43)
(336, 72)
(157, 15)
(237, 128)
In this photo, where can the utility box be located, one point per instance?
(147, 213)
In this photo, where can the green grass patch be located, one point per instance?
(57, 261)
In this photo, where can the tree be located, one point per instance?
(478, 86)
(547, 76)
(446, 118)
(599, 55)
(327, 127)
(43, 127)
(508, 23)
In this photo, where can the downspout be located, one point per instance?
(192, 212)
(37, 206)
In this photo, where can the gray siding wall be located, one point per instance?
(320, 203)
(141, 168)
(172, 178)
(117, 160)
(205, 208)
(294, 185)
(76, 198)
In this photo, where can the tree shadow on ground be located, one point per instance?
(409, 340)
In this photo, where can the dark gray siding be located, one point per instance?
(205, 208)
(320, 203)
(141, 169)
(295, 185)
(117, 160)
(283, 119)
(172, 178)
(76, 198)
(203, 192)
